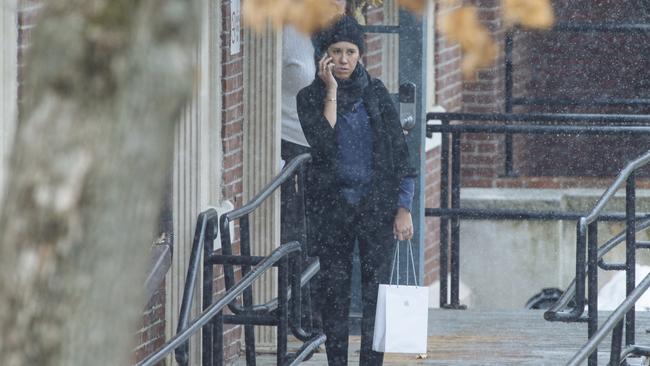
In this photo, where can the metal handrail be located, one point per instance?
(569, 293)
(218, 306)
(540, 117)
(450, 176)
(205, 220)
(601, 27)
(286, 173)
(224, 222)
(615, 186)
(555, 313)
(207, 228)
(521, 214)
(610, 323)
(305, 277)
(622, 130)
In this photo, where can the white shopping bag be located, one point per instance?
(402, 315)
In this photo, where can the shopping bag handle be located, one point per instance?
(409, 252)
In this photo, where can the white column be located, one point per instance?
(262, 91)
(196, 168)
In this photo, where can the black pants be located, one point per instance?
(293, 227)
(375, 238)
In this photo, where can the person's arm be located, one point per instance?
(318, 131)
(396, 133)
(298, 68)
(318, 117)
(406, 193)
(403, 223)
(331, 86)
(329, 107)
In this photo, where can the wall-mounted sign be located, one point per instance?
(235, 27)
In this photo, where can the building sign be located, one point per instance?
(235, 27)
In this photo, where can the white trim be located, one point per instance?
(430, 42)
(390, 48)
(210, 107)
(262, 129)
(435, 140)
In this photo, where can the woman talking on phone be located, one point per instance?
(360, 186)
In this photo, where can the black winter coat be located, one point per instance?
(390, 160)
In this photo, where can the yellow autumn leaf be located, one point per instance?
(415, 6)
(307, 16)
(528, 13)
(463, 26)
(357, 14)
(257, 14)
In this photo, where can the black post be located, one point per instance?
(302, 260)
(217, 343)
(581, 246)
(283, 308)
(249, 329)
(200, 234)
(295, 263)
(592, 279)
(617, 338)
(455, 221)
(444, 221)
(509, 44)
(630, 253)
(212, 342)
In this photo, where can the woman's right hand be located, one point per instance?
(325, 66)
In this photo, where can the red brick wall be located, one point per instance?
(482, 154)
(151, 335)
(232, 135)
(432, 224)
(373, 56)
(449, 80)
(556, 65)
(448, 92)
(581, 65)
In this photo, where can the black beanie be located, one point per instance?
(345, 29)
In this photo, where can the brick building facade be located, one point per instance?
(537, 58)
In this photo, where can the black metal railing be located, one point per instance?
(206, 230)
(587, 237)
(291, 279)
(248, 313)
(587, 240)
(211, 312)
(451, 213)
(614, 324)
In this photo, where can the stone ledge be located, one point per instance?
(574, 199)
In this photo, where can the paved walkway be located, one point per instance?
(495, 338)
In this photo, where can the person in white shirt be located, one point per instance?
(298, 71)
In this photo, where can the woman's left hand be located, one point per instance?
(403, 226)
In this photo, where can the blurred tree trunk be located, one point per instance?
(106, 81)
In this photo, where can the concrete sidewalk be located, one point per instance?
(491, 338)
